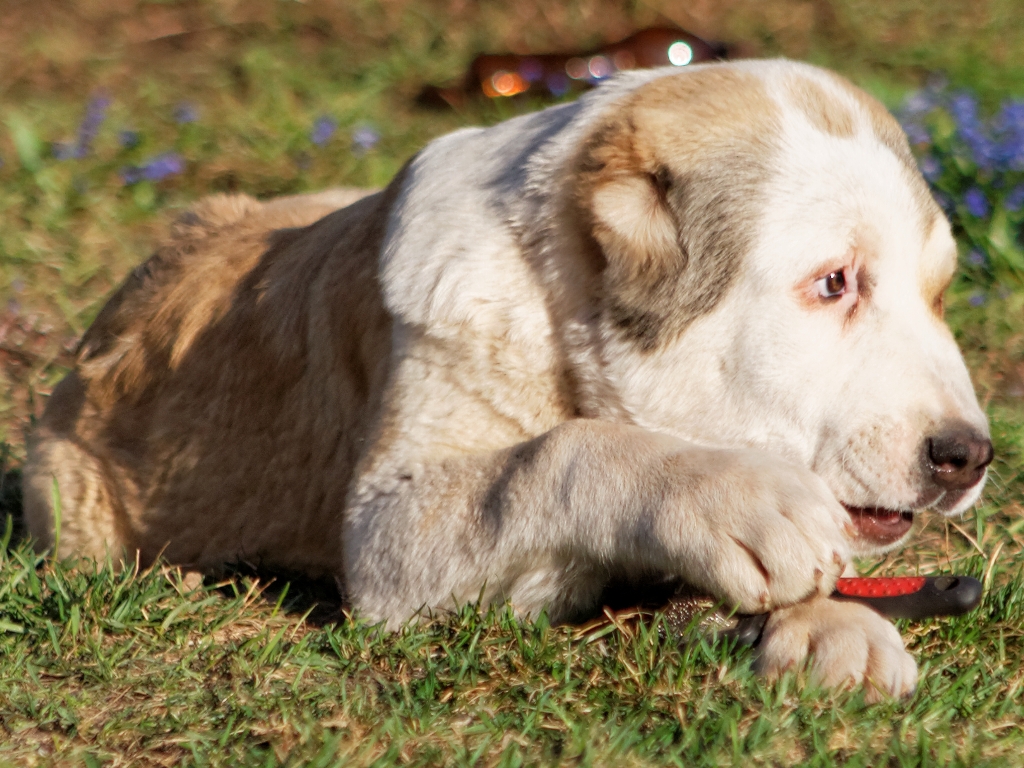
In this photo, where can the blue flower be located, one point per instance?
(919, 103)
(977, 299)
(931, 169)
(1009, 125)
(1015, 199)
(95, 114)
(977, 258)
(364, 139)
(964, 109)
(323, 129)
(156, 168)
(916, 133)
(185, 112)
(984, 151)
(976, 203)
(1011, 115)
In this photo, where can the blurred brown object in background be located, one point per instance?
(505, 75)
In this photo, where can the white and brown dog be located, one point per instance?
(688, 325)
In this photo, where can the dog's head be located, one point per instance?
(772, 275)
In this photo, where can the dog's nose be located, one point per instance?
(957, 457)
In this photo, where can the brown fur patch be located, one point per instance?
(825, 112)
(885, 127)
(888, 131)
(702, 143)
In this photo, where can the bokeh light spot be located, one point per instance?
(599, 67)
(624, 60)
(680, 53)
(576, 68)
(505, 83)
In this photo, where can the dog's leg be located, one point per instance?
(68, 492)
(538, 523)
(841, 642)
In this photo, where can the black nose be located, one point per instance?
(957, 457)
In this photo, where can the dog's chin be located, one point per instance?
(880, 529)
(877, 529)
(955, 503)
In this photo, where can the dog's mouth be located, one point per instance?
(880, 526)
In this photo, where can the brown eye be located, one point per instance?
(832, 285)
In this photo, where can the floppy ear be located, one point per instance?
(629, 211)
(671, 242)
(633, 225)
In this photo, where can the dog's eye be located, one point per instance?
(832, 285)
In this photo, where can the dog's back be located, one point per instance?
(201, 353)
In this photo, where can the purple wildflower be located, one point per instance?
(977, 299)
(1011, 113)
(976, 203)
(977, 258)
(964, 109)
(185, 112)
(1009, 125)
(984, 151)
(931, 169)
(364, 139)
(917, 133)
(919, 103)
(323, 129)
(95, 114)
(974, 134)
(1015, 199)
(156, 168)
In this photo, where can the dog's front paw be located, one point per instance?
(842, 643)
(769, 533)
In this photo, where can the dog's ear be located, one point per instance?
(672, 183)
(626, 196)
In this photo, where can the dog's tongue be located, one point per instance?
(883, 526)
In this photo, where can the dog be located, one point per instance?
(690, 325)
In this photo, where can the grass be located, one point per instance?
(134, 668)
(100, 668)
